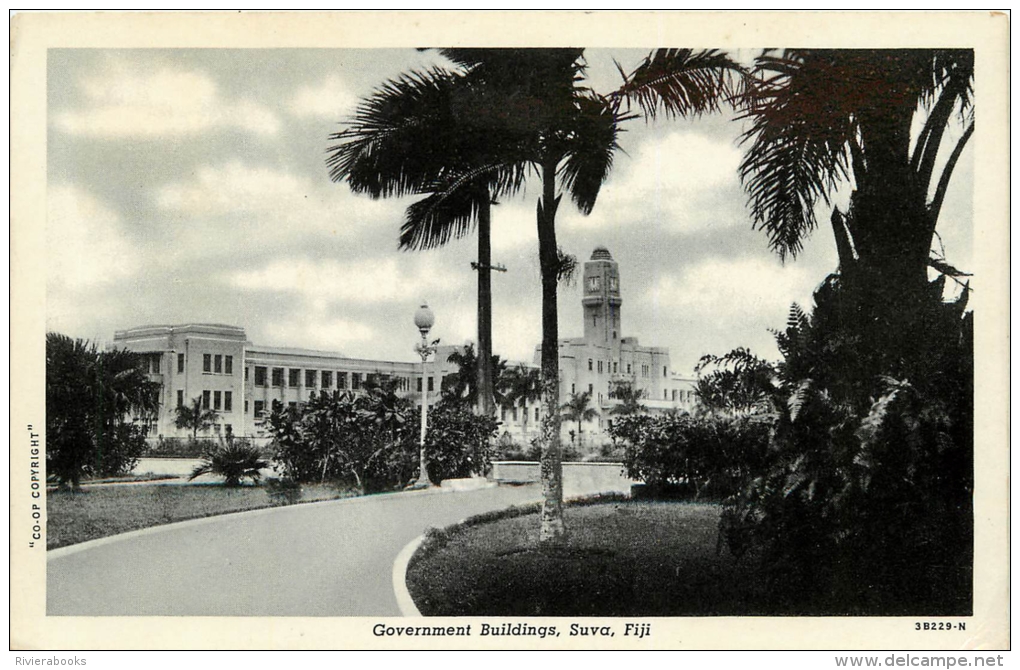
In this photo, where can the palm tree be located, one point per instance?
(194, 418)
(90, 395)
(630, 398)
(579, 409)
(462, 385)
(475, 135)
(823, 118)
(520, 386)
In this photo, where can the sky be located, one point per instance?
(191, 186)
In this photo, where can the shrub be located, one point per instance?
(90, 397)
(371, 441)
(235, 460)
(691, 455)
(866, 490)
(175, 447)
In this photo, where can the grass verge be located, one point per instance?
(91, 513)
(620, 559)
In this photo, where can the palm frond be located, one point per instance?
(590, 147)
(682, 82)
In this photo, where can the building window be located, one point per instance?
(432, 385)
(260, 376)
(180, 363)
(665, 394)
(247, 374)
(310, 378)
(341, 380)
(590, 389)
(600, 367)
(536, 414)
(277, 376)
(355, 381)
(674, 395)
(216, 400)
(600, 398)
(228, 428)
(573, 389)
(245, 406)
(663, 370)
(502, 414)
(228, 401)
(206, 362)
(205, 399)
(218, 364)
(644, 370)
(180, 398)
(628, 368)
(228, 365)
(419, 384)
(327, 379)
(589, 365)
(293, 377)
(260, 407)
(216, 428)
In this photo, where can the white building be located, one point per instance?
(240, 380)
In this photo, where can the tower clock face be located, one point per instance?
(593, 284)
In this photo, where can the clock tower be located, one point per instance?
(601, 298)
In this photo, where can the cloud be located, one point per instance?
(732, 291)
(166, 103)
(331, 99)
(264, 205)
(86, 245)
(682, 181)
(363, 281)
(319, 332)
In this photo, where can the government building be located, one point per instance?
(239, 380)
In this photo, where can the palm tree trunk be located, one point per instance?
(553, 530)
(484, 365)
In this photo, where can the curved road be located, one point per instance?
(319, 559)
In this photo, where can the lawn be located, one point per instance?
(100, 511)
(621, 559)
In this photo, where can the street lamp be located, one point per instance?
(424, 320)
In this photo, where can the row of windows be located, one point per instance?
(215, 400)
(513, 414)
(217, 364)
(645, 369)
(313, 378)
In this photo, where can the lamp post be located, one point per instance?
(424, 320)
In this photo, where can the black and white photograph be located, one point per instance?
(452, 335)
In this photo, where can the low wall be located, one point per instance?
(578, 478)
(179, 467)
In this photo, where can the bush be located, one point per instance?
(866, 490)
(371, 440)
(235, 460)
(681, 455)
(175, 447)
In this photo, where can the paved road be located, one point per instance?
(321, 559)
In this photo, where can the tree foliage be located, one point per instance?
(234, 460)
(90, 397)
(371, 441)
(194, 417)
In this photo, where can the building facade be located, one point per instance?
(239, 381)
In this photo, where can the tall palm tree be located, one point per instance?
(463, 384)
(578, 408)
(194, 417)
(824, 118)
(520, 386)
(524, 109)
(630, 398)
